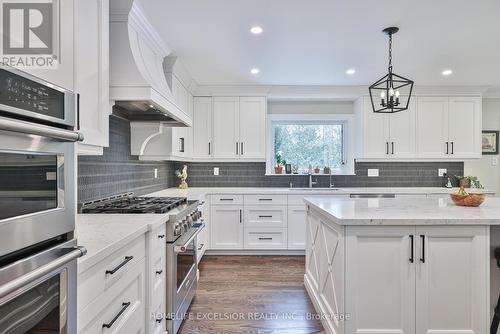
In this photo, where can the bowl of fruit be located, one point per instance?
(463, 198)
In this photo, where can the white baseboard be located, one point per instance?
(278, 252)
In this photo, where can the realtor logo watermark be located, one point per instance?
(30, 34)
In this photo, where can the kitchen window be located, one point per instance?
(311, 140)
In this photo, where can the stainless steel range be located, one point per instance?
(183, 226)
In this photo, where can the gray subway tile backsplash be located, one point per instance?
(116, 171)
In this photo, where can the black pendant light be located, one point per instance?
(386, 92)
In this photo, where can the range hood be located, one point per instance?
(138, 82)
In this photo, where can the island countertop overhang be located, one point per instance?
(404, 211)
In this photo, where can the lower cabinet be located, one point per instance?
(156, 280)
(203, 239)
(430, 279)
(296, 227)
(226, 226)
(265, 238)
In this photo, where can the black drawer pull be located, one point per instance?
(265, 199)
(201, 246)
(422, 258)
(159, 320)
(265, 238)
(265, 216)
(159, 272)
(127, 259)
(161, 236)
(411, 248)
(226, 199)
(124, 307)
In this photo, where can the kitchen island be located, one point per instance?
(403, 265)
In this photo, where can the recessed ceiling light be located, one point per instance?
(254, 71)
(447, 72)
(256, 30)
(350, 71)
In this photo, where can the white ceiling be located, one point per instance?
(313, 42)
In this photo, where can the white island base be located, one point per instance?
(389, 266)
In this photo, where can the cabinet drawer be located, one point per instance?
(127, 298)
(157, 322)
(265, 238)
(105, 274)
(227, 199)
(265, 216)
(157, 243)
(157, 283)
(264, 199)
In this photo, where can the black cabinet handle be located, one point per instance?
(127, 259)
(201, 246)
(241, 148)
(422, 258)
(392, 145)
(265, 216)
(181, 145)
(159, 320)
(452, 148)
(209, 148)
(265, 238)
(161, 236)
(386, 147)
(447, 148)
(240, 216)
(159, 272)
(112, 322)
(411, 249)
(236, 148)
(78, 111)
(226, 199)
(265, 199)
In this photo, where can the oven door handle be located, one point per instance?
(41, 271)
(182, 248)
(7, 124)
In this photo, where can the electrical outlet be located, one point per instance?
(216, 171)
(373, 172)
(442, 171)
(156, 173)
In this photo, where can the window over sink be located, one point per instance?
(311, 140)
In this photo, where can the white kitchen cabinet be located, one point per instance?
(252, 123)
(450, 285)
(203, 239)
(388, 135)
(202, 128)
(156, 257)
(63, 75)
(380, 280)
(226, 227)
(464, 127)
(265, 238)
(297, 226)
(92, 73)
(432, 127)
(226, 125)
(437, 288)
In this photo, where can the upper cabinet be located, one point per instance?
(388, 135)
(239, 125)
(432, 128)
(63, 76)
(202, 128)
(92, 73)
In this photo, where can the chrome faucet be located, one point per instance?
(311, 182)
(332, 184)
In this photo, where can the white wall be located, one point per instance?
(484, 169)
(310, 107)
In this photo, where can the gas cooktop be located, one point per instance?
(134, 205)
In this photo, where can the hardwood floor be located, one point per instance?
(253, 295)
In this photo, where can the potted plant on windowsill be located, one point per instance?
(280, 162)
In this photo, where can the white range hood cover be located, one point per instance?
(137, 77)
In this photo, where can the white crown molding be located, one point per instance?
(318, 93)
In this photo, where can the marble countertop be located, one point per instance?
(405, 211)
(103, 234)
(197, 193)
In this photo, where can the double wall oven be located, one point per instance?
(38, 251)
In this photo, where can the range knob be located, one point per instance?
(177, 230)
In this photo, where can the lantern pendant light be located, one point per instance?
(388, 92)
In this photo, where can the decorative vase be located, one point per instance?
(278, 170)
